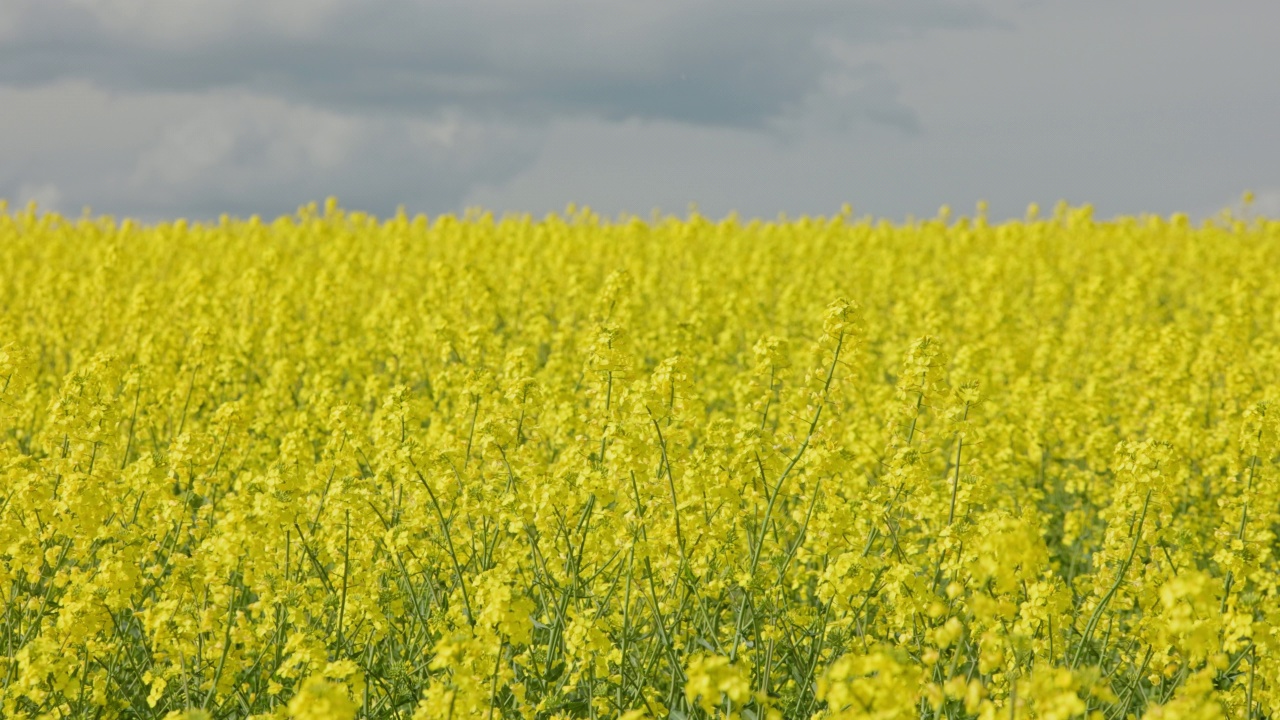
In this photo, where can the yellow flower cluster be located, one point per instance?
(332, 466)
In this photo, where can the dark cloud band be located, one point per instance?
(732, 63)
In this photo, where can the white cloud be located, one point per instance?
(248, 150)
(1266, 203)
(46, 196)
(259, 135)
(160, 154)
(852, 91)
(166, 23)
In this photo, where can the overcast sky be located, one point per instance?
(162, 108)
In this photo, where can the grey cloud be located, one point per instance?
(729, 63)
(158, 108)
(154, 107)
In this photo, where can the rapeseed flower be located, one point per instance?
(479, 467)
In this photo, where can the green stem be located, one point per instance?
(1102, 604)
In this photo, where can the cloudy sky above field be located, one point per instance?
(159, 108)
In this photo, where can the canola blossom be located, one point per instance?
(333, 466)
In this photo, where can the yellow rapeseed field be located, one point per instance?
(333, 466)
